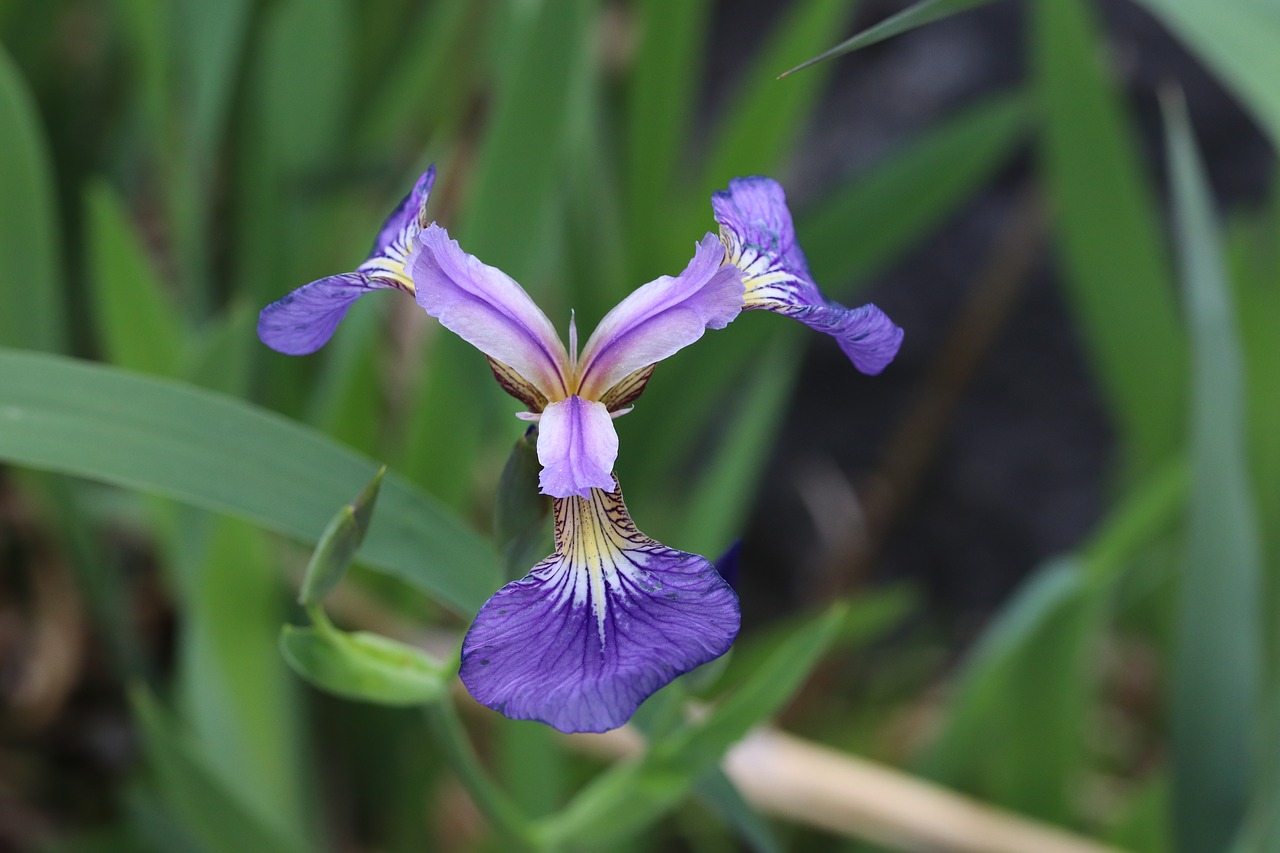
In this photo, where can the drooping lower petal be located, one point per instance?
(577, 446)
(303, 321)
(661, 318)
(599, 626)
(865, 334)
(486, 308)
(759, 239)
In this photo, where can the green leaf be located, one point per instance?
(766, 116)
(429, 85)
(339, 543)
(221, 356)
(1108, 229)
(630, 796)
(522, 514)
(221, 454)
(30, 244)
(723, 494)
(295, 118)
(363, 666)
(204, 805)
(137, 324)
(1015, 733)
(235, 696)
(524, 144)
(660, 106)
(1218, 645)
(722, 797)
(868, 221)
(1237, 40)
(918, 15)
(866, 617)
(209, 41)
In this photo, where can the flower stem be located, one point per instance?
(504, 815)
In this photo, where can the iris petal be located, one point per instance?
(408, 218)
(486, 308)
(661, 318)
(865, 334)
(599, 626)
(577, 446)
(303, 321)
(756, 228)
(760, 239)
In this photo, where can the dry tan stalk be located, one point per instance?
(791, 778)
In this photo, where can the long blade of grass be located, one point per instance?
(519, 164)
(30, 244)
(236, 697)
(1015, 733)
(204, 806)
(660, 105)
(1236, 39)
(723, 494)
(1118, 279)
(219, 453)
(1255, 270)
(766, 116)
(209, 41)
(865, 224)
(918, 15)
(138, 326)
(295, 119)
(1217, 650)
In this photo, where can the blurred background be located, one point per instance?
(1053, 517)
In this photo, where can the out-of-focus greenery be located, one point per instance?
(167, 168)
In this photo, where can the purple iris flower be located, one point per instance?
(756, 229)
(612, 615)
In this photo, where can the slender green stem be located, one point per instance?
(502, 813)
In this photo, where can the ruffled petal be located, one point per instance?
(760, 239)
(599, 626)
(303, 321)
(866, 334)
(661, 318)
(577, 446)
(486, 308)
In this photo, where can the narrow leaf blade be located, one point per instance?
(222, 454)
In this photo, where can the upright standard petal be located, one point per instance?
(303, 321)
(661, 318)
(404, 223)
(760, 239)
(486, 308)
(599, 626)
(577, 446)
